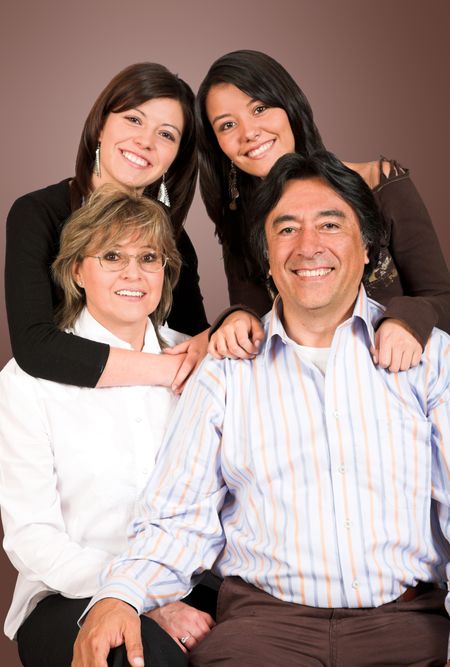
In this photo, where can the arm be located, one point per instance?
(32, 242)
(179, 532)
(36, 540)
(417, 255)
(188, 312)
(439, 416)
(243, 291)
(237, 332)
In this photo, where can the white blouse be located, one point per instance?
(73, 462)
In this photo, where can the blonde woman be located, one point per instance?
(74, 460)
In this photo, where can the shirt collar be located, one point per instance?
(362, 311)
(88, 327)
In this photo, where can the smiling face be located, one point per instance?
(250, 133)
(140, 144)
(316, 254)
(120, 300)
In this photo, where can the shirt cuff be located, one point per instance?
(110, 592)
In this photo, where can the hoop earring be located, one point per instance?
(97, 170)
(163, 195)
(232, 187)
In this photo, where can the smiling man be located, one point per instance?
(313, 481)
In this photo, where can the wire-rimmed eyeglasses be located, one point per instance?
(113, 260)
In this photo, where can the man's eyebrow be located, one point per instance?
(326, 213)
(331, 213)
(285, 217)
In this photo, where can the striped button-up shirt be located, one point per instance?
(326, 490)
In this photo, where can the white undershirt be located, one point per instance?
(317, 355)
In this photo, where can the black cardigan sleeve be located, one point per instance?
(33, 232)
(188, 313)
(33, 229)
(424, 300)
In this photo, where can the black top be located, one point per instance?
(411, 279)
(33, 231)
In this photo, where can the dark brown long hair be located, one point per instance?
(262, 78)
(131, 87)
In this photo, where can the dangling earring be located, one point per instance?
(97, 170)
(232, 187)
(163, 195)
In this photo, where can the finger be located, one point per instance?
(133, 645)
(181, 348)
(212, 350)
(244, 340)
(225, 344)
(257, 333)
(406, 360)
(374, 353)
(396, 360)
(189, 642)
(416, 357)
(182, 375)
(384, 356)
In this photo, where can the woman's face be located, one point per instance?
(121, 300)
(250, 133)
(139, 145)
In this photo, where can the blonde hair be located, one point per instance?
(108, 216)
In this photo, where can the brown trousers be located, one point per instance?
(255, 629)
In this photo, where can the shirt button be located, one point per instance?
(138, 420)
(336, 414)
(355, 584)
(341, 468)
(348, 523)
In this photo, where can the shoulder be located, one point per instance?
(14, 382)
(378, 173)
(54, 199)
(435, 368)
(171, 336)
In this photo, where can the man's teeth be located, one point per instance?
(129, 292)
(312, 273)
(135, 159)
(256, 152)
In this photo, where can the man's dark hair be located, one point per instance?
(345, 182)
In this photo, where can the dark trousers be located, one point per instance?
(47, 636)
(253, 629)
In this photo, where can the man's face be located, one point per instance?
(316, 253)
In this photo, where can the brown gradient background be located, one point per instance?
(376, 74)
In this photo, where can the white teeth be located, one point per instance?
(128, 292)
(256, 152)
(135, 159)
(312, 273)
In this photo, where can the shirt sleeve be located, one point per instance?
(188, 312)
(32, 242)
(179, 533)
(439, 416)
(416, 252)
(36, 540)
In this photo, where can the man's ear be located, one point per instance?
(366, 255)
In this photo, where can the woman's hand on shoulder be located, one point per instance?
(396, 348)
(195, 350)
(183, 622)
(239, 337)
